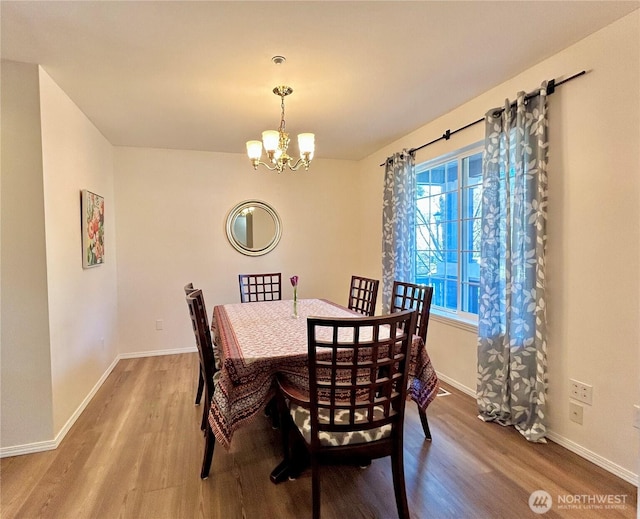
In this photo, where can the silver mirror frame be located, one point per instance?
(235, 212)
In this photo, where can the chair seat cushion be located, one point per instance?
(216, 356)
(302, 418)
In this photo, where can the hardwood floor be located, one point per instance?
(136, 451)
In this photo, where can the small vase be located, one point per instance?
(295, 303)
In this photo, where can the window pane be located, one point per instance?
(437, 175)
(469, 292)
(471, 266)
(451, 294)
(438, 290)
(473, 199)
(423, 264)
(477, 229)
(452, 176)
(450, 240)
(474, 169)
(436, 207)
(448, 230)
(435, 232)
(471, 235)
(451, 200)
(467, 234)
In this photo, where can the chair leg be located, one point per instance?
(299, 457)
(205, 411)
(209, 444)
(203, 423)
(200, 388)
(284, 420)
(425, 423)
(397, 469)
(272, 413)
(315, 486)
(283, 470)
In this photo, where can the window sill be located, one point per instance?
(468, 326)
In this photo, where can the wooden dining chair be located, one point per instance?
(363, 294)
(208, 369)
(411, 296)
(260, 287)
(352, 411)
(188, 288)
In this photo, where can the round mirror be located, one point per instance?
(253, 228)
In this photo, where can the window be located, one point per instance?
(448, 231)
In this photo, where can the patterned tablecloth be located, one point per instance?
(258, 341)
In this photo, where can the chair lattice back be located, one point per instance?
(410, 296)
(363, 295)
(260, 287)
(358, 372)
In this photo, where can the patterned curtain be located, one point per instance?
(512, 361)
(398, 223)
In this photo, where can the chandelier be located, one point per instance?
(276, 142)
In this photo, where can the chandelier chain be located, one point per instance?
(282, 123)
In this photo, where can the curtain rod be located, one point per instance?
(551, 88)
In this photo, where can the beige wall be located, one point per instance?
(593, 245)
(59, 320)
(82, 302)
(25, 366)
(171, 213)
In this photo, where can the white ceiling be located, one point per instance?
(198, 75)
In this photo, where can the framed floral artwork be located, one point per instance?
(92, 207)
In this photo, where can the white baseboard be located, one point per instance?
(48, 445)
(594, 458)
(457, 385)
(28, 448)
(156, 353)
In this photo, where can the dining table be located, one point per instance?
(260, 341)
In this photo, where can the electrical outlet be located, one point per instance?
(586, 394)
(574, 390)
(581, 391)
(159, 324)
(575, 412)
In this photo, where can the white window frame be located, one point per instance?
(458, 318)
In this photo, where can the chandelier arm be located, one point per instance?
(281, 165)
(298, 163)
(266, 165)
